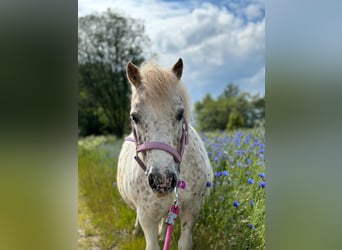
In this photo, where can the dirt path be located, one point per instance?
(88, 237)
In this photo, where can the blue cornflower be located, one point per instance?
(260, 163)
(239, 152)
(248, 161)
(250, 181)
(251, 202)
(262, 184)
(262, 175)
(225, 173)
(251, 226)
(218, 174)
(208, 184)
(247, 139)
(231, 158)
(238, 164)
(236, 204)
(216, 159)
(239, 133)
(262, 151)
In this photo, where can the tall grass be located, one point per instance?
(231, 218)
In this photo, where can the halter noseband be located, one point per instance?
(177, 155)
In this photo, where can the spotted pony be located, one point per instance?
(162, 150)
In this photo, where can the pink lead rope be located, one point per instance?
(174, 211)
(170, 220)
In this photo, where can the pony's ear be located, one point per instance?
(133, 74)
(177, 69)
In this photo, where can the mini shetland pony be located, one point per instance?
(155, 157)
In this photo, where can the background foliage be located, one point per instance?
(106, 43)
(233, 109)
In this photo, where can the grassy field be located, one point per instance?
(232, 217)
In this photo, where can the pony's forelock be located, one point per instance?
(158, 87)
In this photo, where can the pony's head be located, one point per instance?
(159, 110)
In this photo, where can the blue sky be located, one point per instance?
(219, 41)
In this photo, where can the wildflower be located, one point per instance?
(236, 204)
(218, 174)
(248, 161)
(262, 175)
(251, 202)
(239, 153)
(247, 139)
(239, 164)
(225, 173)
(208, 184)
(231, 158)
(250, 181)
(262, 184)
(260, 163)
(216, 159)
(251, 226)
(239, 133)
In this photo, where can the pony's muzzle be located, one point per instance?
(162, 183)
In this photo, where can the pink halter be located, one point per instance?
(161, 146)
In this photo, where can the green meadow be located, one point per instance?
(233, 216)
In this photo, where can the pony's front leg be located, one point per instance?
(187, 220)
(137, 228)
(150, 228)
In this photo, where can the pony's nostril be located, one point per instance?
(172, 179)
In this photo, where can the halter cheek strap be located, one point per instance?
(177, 155)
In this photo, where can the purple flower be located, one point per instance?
(262, 184)
(239, 153)
(218, 174)
(236, 204)
(216, 159)
(248, 161)
(225, 173)
(250, 181)
(251, 226)
(208, 184)
(262, 175)
(251, 202)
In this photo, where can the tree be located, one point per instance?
(235, 120)
(231, 110)
(106, 42)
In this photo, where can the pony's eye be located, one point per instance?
(180, 114)
(135, 117)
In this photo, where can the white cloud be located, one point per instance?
(217, 45)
